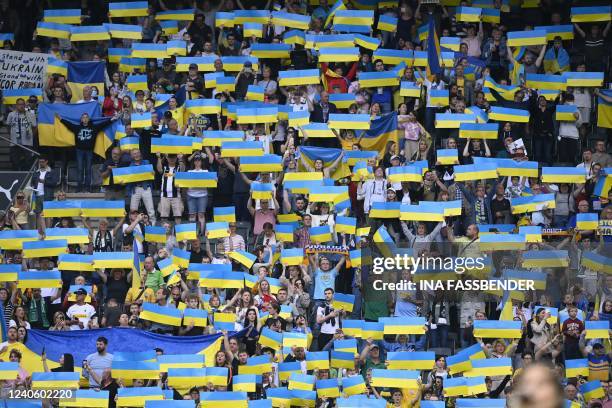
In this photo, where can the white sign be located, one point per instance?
(22, 69)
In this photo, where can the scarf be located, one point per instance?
(38, 315)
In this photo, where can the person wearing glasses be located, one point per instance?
(21, 124)
(20, 210)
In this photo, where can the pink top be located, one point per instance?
(411, 130)
(261, 218)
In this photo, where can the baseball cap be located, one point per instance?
(248, 64)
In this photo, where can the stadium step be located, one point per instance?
(5, 156)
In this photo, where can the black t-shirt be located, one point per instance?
(117, 289)
(499, 206)
(196, 257)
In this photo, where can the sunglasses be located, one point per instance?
(20, 197)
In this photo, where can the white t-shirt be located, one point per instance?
(197, 192)
(327, 327)
(138, 243)
(81, 312)
(40, 187)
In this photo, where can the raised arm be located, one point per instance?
(540, 58)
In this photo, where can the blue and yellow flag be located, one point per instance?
(604, 110)
(128, 9)
(433, 50)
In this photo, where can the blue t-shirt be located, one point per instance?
(323, 280)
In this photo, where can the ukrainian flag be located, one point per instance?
(185, 232)
(587, 221)
(497, 329)
(478, 130)
(563, 175)
(385, 210)
(491, 15)
(132, 32)
(215, 137)
(596, 329)
(132, 65)
(531, 233)
(596, 262)
(224, 19)
(169, 403)
(267, 162)
(180, 257)
(257, 365)
(89, 33)
(343, 301)
(345, 225)
(502, 242)
(453, 120)
(4, 37)
(8, 273)
(87, 398)
(299, 118)
(10, 96)
(302, 181)
(217, 229)
(203, 63)
(227, 214)
(432, 404)
(128, 9)
(301, 381)
(378, 79)
(384, 242)
(284, 232)
(481, 116)
(140, 120)
(338, 54)
(510, 167)
(411, 360)
(251, 16)
(357, 21)
(39, 279)
(447, 156)
(257, 115)
(348, 121)
(410, 89)
(526, 38)
(327, 388)
(459, 363)
(592, 389)
(577, 367)
(451, 43)
(58, 66)
(165, 266)
(53, 30)
(280, 396)
(172, 145)
(474, 352)
(55, 380)
(244, 382)
(176, 47)
(566, 32)
(285, 370)
(338, 5)
(75, 262)
(292, 339)
(47, 248)
(508, 115)
(545, 259)
(367, 42)
(243, 257)
(14, 239)
(387, 23)
(583, 79)
(546, 81)
(342, 100)
(320, 234)
(490, 367)
(325, 194)
(189, 179)
(133, 174)
(104, 260)
(483, 403)
(67, 208)
(591, 14)
(566, 113)
(235, 64)
(396, 378)
(148, 50)
(71, 235)
(129, 143)
(294, 37)
(334, 41)
(532, 203)
(317, 130)
(468, 14)
(317, 360)
(262, 191)
(342, 359)
(135, 369)
(102, 208)
(454, 387)
(352, 327)
(292, 256)
(136, 396)
(438, 97)
(475, 172)
(179, 15)
(353, 385)
(169, 27)
(162, 315)
(63, 16)
(395, 325)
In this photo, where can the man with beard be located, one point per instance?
(97, 362)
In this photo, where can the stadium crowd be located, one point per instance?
(262, 231)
